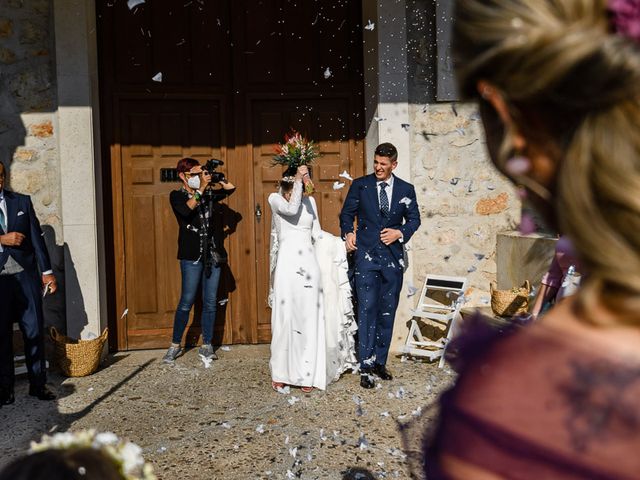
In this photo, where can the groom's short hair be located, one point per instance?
(387, 150)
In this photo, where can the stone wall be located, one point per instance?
(28, 104)
(463, 201)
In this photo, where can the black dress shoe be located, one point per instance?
(367, 381)
(42, 393)
(7, 397)
(382, 372)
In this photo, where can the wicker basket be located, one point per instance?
(78, 358)
(507, 303)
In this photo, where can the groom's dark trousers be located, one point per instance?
(21, 292)
(378, 267)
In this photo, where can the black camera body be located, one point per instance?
(210, 168)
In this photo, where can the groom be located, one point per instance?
(387, 213)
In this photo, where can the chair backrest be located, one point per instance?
(441, 293)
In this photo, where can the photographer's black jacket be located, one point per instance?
(189, 222)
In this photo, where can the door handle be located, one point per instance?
(258, 212)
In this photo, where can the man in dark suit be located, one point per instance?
(22, 252)
(387, 213)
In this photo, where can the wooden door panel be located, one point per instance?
(156, 135)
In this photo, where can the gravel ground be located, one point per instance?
(225, 422)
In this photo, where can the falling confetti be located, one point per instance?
(126, 310)
(134, 3)
(338, 185)
(346, 175)
(157, 77)
(327, 73)
(370, 26)
(224, 301)
(379, 119)
(454, 180)
(405, 126)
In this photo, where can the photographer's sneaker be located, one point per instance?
(171, 354)
(206, 351)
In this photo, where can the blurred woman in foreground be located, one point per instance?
(558, 85)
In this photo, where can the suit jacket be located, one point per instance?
(363, 202)
(32, 253)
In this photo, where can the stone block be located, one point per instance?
(27, 181)
(25, 155)
(41, 130)
(7, 56)
(522, 257)
(492, 205)
(6, 28)
(31, 33)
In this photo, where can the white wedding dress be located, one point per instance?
(312, 321)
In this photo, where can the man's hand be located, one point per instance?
(350, 241)
(49, 281)
(12, 239)
(390, 235)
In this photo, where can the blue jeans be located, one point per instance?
(192, 276)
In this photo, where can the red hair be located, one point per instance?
(186, 164)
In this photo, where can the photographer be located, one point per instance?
(199, 256)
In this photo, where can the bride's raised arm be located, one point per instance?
(281, 206)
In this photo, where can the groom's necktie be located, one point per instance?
(3, 222)
(384, 200)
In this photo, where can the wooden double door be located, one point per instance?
(226, 80)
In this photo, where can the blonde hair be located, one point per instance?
(566, 74)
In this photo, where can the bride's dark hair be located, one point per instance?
(286, 184)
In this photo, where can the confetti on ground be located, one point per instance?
(384, 414)
(400, 393)
(370, 26)
(338, 185)
(363, 444)
(293, 451)
(293, 400)
(157, 77)
(206, 361)
(411, 290)
(225, 348)
(226, 425)
(327, 73)
(90, 389)
(471, 269)
(134, 3)
(479, 256)
(260, 428)
(286, 390)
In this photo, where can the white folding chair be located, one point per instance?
(439, 303)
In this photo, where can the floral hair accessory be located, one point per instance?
(288, 179)
(126, 455)
(625, 18)
(296, 151)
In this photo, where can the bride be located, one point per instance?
(312, 321)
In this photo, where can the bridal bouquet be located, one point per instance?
(295, 152)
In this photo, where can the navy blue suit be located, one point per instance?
(21, 293)
(378, 267)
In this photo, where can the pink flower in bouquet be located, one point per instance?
(626, 18)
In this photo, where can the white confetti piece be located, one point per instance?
(411, 289)
(323, 437)
(90, 389)
(225, 348)
(338, 185)
(206, 361)
(293, 400)
(417, 412)
(327, 73)
(293, 451)
(157, 77)
(134, 3)
(162, 449)
(379, 119)
(290, 474)
(284, 390)
(224, 301)
(126, 310)
(260, 428)
(363, 444)
(400, 393)
(406, 126)
(346, 175)
(370, 26)
(226, 425)
(471, 269)
(384, 414)
(368, 257)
